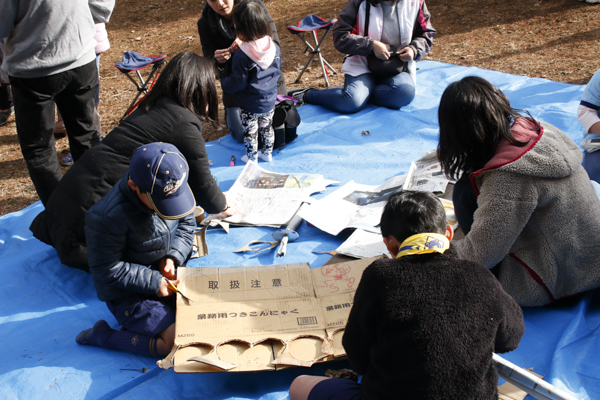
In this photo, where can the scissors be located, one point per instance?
(172, 286)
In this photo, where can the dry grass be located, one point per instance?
(553, 39)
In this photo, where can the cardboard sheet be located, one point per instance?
(262, 318)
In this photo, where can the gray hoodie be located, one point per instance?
(538, 219)
(46, 37)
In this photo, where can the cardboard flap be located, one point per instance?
(200, 248)
(263, 318)
(214, 362)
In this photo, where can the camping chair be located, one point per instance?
(313, 23)
(133, 61)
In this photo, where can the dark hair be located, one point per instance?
(474, 118)
(251, 20)
(408, 213)
(189, 80)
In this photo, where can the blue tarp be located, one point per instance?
(44, 305)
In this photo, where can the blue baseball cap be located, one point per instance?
(161, 171)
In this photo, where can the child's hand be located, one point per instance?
(222, 55)
(235, 45)
(166, 266)
(165, 289)
(381, 50)
(407, 53)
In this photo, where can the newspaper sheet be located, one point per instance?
(268, 198)
(363, 244)
(360, 206)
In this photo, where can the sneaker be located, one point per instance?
(264, 157)
(5, 115)
(67, 160)
(300, 95)
(244, 158)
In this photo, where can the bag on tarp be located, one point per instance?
(285, 121)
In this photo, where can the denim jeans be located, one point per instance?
(34, 98)
(234, 122)
(358, 91)
(591, 163)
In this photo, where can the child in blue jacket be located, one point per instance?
(137, 235)
(253, 79)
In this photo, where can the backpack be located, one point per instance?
(285, 121)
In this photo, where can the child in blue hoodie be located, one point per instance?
(253, 78)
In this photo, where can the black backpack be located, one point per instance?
(285, 121)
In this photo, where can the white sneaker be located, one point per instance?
(264, 157)
(244, 158)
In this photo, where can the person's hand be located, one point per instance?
(230, 209)
(165, 289)
(407, 53)
(222, 55)
(381, 50)
(235, 45)
(166, 266)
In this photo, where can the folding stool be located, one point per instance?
(133, 61)
(312, 23)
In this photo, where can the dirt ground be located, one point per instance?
(553, 39)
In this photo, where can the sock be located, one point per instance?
(103, 335)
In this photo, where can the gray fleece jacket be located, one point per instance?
(538, 218)
(46, 37)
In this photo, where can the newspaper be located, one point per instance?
(364, 244)
(268, 198)
(360, 206)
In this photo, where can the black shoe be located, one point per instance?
(300, 95)
(5, 115)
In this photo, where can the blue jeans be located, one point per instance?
(234, 122)
(394, 92)
(591, 163)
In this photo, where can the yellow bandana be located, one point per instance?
(423, 243)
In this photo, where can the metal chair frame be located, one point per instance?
(315, 50)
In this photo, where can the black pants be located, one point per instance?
(5, 97)
(73, 92)
(465, 202)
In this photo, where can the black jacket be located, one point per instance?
(425, 327)
(216, 33)
(97, 171)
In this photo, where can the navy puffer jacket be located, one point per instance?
(125, 241)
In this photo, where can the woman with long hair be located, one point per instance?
(183, 96)
(523, 200)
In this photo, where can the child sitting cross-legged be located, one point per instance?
(425, 324)
(137, 235)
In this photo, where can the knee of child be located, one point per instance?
(165, 340)
(302, 386)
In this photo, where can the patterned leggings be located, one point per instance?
(252, 125)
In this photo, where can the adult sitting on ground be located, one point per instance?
(183, 96)
(395, 29)
(525, 203)
(219, 42)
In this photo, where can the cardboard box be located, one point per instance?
(262, 318)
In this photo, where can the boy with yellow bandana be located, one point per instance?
(423, 325)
